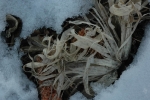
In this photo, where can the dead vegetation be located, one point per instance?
(91, 48)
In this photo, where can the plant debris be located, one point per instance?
(81, 55)
(13, 29)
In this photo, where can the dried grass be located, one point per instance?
(94, 53)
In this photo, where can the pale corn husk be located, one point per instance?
(66, 64)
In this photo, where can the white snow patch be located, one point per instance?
(78, 96)
(134, 83)
(14, 85)
(38, 13)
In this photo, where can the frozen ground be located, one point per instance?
(14, 85)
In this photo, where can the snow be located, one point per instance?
(14, 85)
(39, 13)
(78, 96)
(133, 83)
